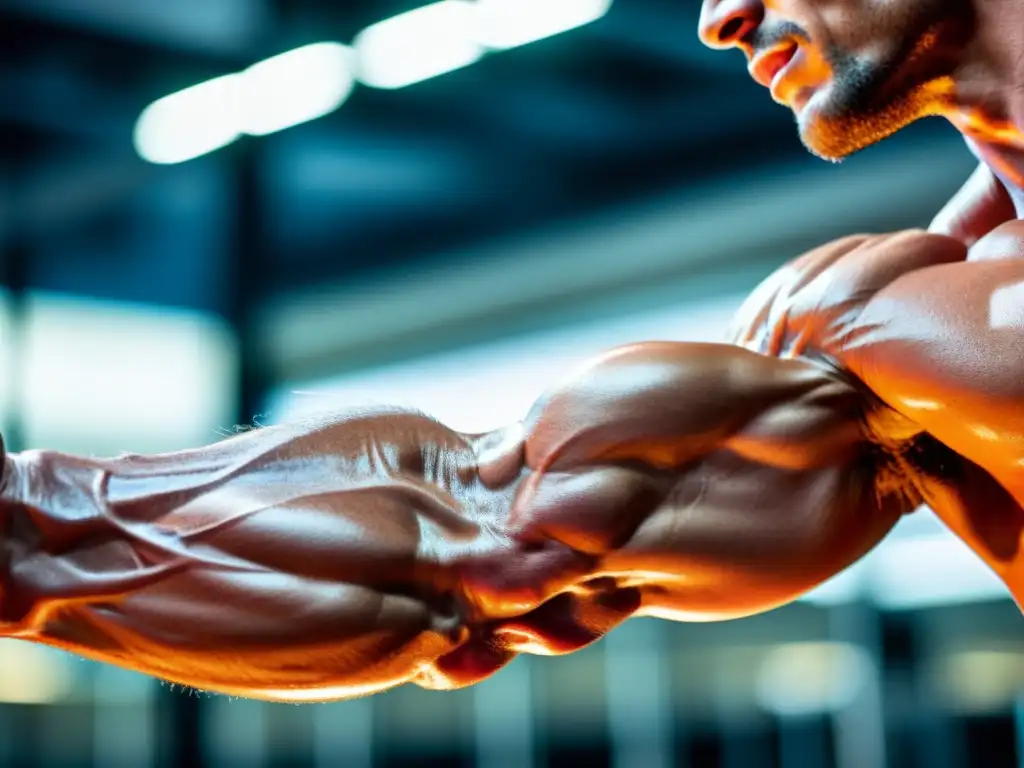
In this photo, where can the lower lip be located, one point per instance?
(780, 76)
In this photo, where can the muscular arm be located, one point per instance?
(935, 330)
(344, 556)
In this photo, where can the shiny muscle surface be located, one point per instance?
(343, 556)
(936, 331)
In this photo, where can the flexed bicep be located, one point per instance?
(705, 481)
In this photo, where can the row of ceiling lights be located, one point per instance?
(313, 81)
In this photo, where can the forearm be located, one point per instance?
(261, 565)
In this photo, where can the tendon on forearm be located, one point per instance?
(256, 565)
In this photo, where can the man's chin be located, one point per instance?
(833, 139)
(821, 145)
(835, 134)
(823, 148)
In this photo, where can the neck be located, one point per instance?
(989, 73)
(1007, 164)
(988, 106)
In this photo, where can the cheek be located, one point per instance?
(854, 28)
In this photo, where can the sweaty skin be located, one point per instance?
(343, 556)
(935, 331)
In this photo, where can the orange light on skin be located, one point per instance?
(802, 78)
(983, 126)
(920, 404)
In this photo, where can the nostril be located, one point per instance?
(730, 23)
(730, 30)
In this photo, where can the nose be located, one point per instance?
(724, 23)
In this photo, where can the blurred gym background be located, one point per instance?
(346, 201)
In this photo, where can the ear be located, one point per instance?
(981, 205)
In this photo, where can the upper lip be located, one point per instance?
(766, 65)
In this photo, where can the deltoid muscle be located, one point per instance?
(343, 556)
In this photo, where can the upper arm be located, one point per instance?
(665, 404)
(722, 481)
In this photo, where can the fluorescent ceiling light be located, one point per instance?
(294, 87)
(189, 123)
(419, 45)
(511, 23)
(312, 81)
(275, 94)
(801, 679)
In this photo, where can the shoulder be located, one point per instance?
(942, 345)
(806, 307)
